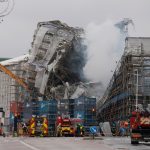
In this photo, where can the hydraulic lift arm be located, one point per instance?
(16, 78)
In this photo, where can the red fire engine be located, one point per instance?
(66, 126)
(140, 126)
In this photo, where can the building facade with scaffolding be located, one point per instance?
(130, 83)
(12, 93)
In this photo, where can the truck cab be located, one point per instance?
(64, 126)
(140, 126)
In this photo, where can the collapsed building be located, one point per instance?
(130, 82)
(53, 69)
(58, 57)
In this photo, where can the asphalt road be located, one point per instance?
(62, 143)
(124, 143)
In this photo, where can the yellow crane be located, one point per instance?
(15, 77)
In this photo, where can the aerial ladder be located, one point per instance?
(15, 77)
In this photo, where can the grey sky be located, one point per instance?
(16, 32)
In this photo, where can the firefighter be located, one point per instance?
(20, 129)
(45, 127)
(2, 130)
(77, 130)
(113, 128)
(81, 130)
(25, 129)
(101, 131)
(59, 133)
(122, 131)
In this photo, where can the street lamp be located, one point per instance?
(137, 82)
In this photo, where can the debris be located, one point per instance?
(58, 56)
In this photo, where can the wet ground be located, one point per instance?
(67, 143)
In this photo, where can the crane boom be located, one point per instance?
(15, 77)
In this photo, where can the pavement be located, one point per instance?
(69, 143)
(124, 143)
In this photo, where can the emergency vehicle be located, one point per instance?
(140, 126)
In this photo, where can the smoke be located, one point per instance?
(77, 58)
(104, 47)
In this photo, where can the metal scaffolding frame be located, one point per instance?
(127, 86)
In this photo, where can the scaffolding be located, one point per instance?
(130, 82)
(10, 90)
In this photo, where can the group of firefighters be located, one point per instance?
(120, 128)
(35, 126)
(79, 130)
(23, 129)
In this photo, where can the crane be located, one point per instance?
(15, 77)
(123, 25)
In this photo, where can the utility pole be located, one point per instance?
(137, 82)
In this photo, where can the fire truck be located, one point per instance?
(38, 126)
(140, 126)
(64, 126)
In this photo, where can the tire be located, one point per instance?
(4, 135)
(134, 142)
(137, 142)
(58, 134)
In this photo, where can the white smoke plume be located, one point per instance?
(104, 46)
